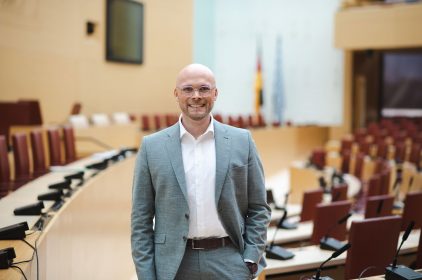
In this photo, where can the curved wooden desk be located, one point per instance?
(89, 237)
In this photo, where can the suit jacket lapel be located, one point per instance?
(222, 150)
(174, 151)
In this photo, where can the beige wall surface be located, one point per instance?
(45, 54)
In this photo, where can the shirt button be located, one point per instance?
(187, 216)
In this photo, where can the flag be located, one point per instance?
(259, 86)
(278, 92)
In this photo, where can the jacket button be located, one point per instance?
(187, 216)
(184, 238)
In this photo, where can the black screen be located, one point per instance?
(402, 84)
(124, 31)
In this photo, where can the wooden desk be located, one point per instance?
(88, 238)
(311, 257)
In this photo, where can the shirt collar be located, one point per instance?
(183, 130)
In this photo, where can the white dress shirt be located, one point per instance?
(200, 166)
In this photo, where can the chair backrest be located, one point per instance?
(79, 121)
(121, 118)
(76, 108)
(310, 199)
(374, 184)
(339, 192)
(21, 157)
(38, 153)
(412, 210)
(419, 255)
(358, 172)
(100, 119)
(54, 146)
(145, 123)
(4, 167)
(4, 161)
(318, 158)
(385, 182)
(379, 206)
(69, 144)
(157, 121)
(326, 221)
(345, 162)
(374, 243)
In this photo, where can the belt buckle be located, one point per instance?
(193, 246)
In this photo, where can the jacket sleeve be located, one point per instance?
(259, 213)
(142, 233)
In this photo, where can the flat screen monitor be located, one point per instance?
(124, 35)
(402, 84)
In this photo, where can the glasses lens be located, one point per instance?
(204, 90)
(188, 90)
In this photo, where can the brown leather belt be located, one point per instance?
(208, 243)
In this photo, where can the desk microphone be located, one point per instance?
(379, 208)
(286, 224)
(60, 185)
(329, 243)
(337, 253)
(98, 165)
(277, 252)
(396, 191)
(323, 184)
(76, 176)
(339, 177)
(394, 272)
(30, 210)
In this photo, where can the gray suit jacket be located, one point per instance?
(159, 191)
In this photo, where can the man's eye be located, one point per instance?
(188, 89)
(204, 89)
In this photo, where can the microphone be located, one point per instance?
(379, 208)
(393, 271)
(329, 243)
(337, 253)
(15, 231)
(76, 176)
(60, 185)
(30, 210)
(98, 165)
(323, 184)
(277, 252)
(54, 195)
(396, 191)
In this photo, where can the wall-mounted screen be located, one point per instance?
(124, 31)
(402, 84)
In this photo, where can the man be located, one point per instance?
(203, 183)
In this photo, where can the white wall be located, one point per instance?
(311, 69)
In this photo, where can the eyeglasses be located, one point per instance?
(203, 91)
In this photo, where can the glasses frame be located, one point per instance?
(206, 94)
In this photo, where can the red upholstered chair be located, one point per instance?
(345, 162)
(419, 255)
(69, 144)
(359, 165)
(54, 146)
(379, 206)
(241, 122)
(385, 182)
(5, 182)
(339, 192)
(374, 186)
(145, 123)
(157, 122)
(309, 202)
(21, 159)
(400, 151)
(412, 210)
(415, 154)
(218, 117)
(382, 149)
(346, 145)
(318, 158)
(326, 221)
(374, 243)
(38, 153)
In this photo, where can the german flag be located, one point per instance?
(259, 87)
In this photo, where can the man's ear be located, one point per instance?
(176, 94)
(215, 94)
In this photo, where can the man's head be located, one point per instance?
(195, 91)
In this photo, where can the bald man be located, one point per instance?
(199, 206)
